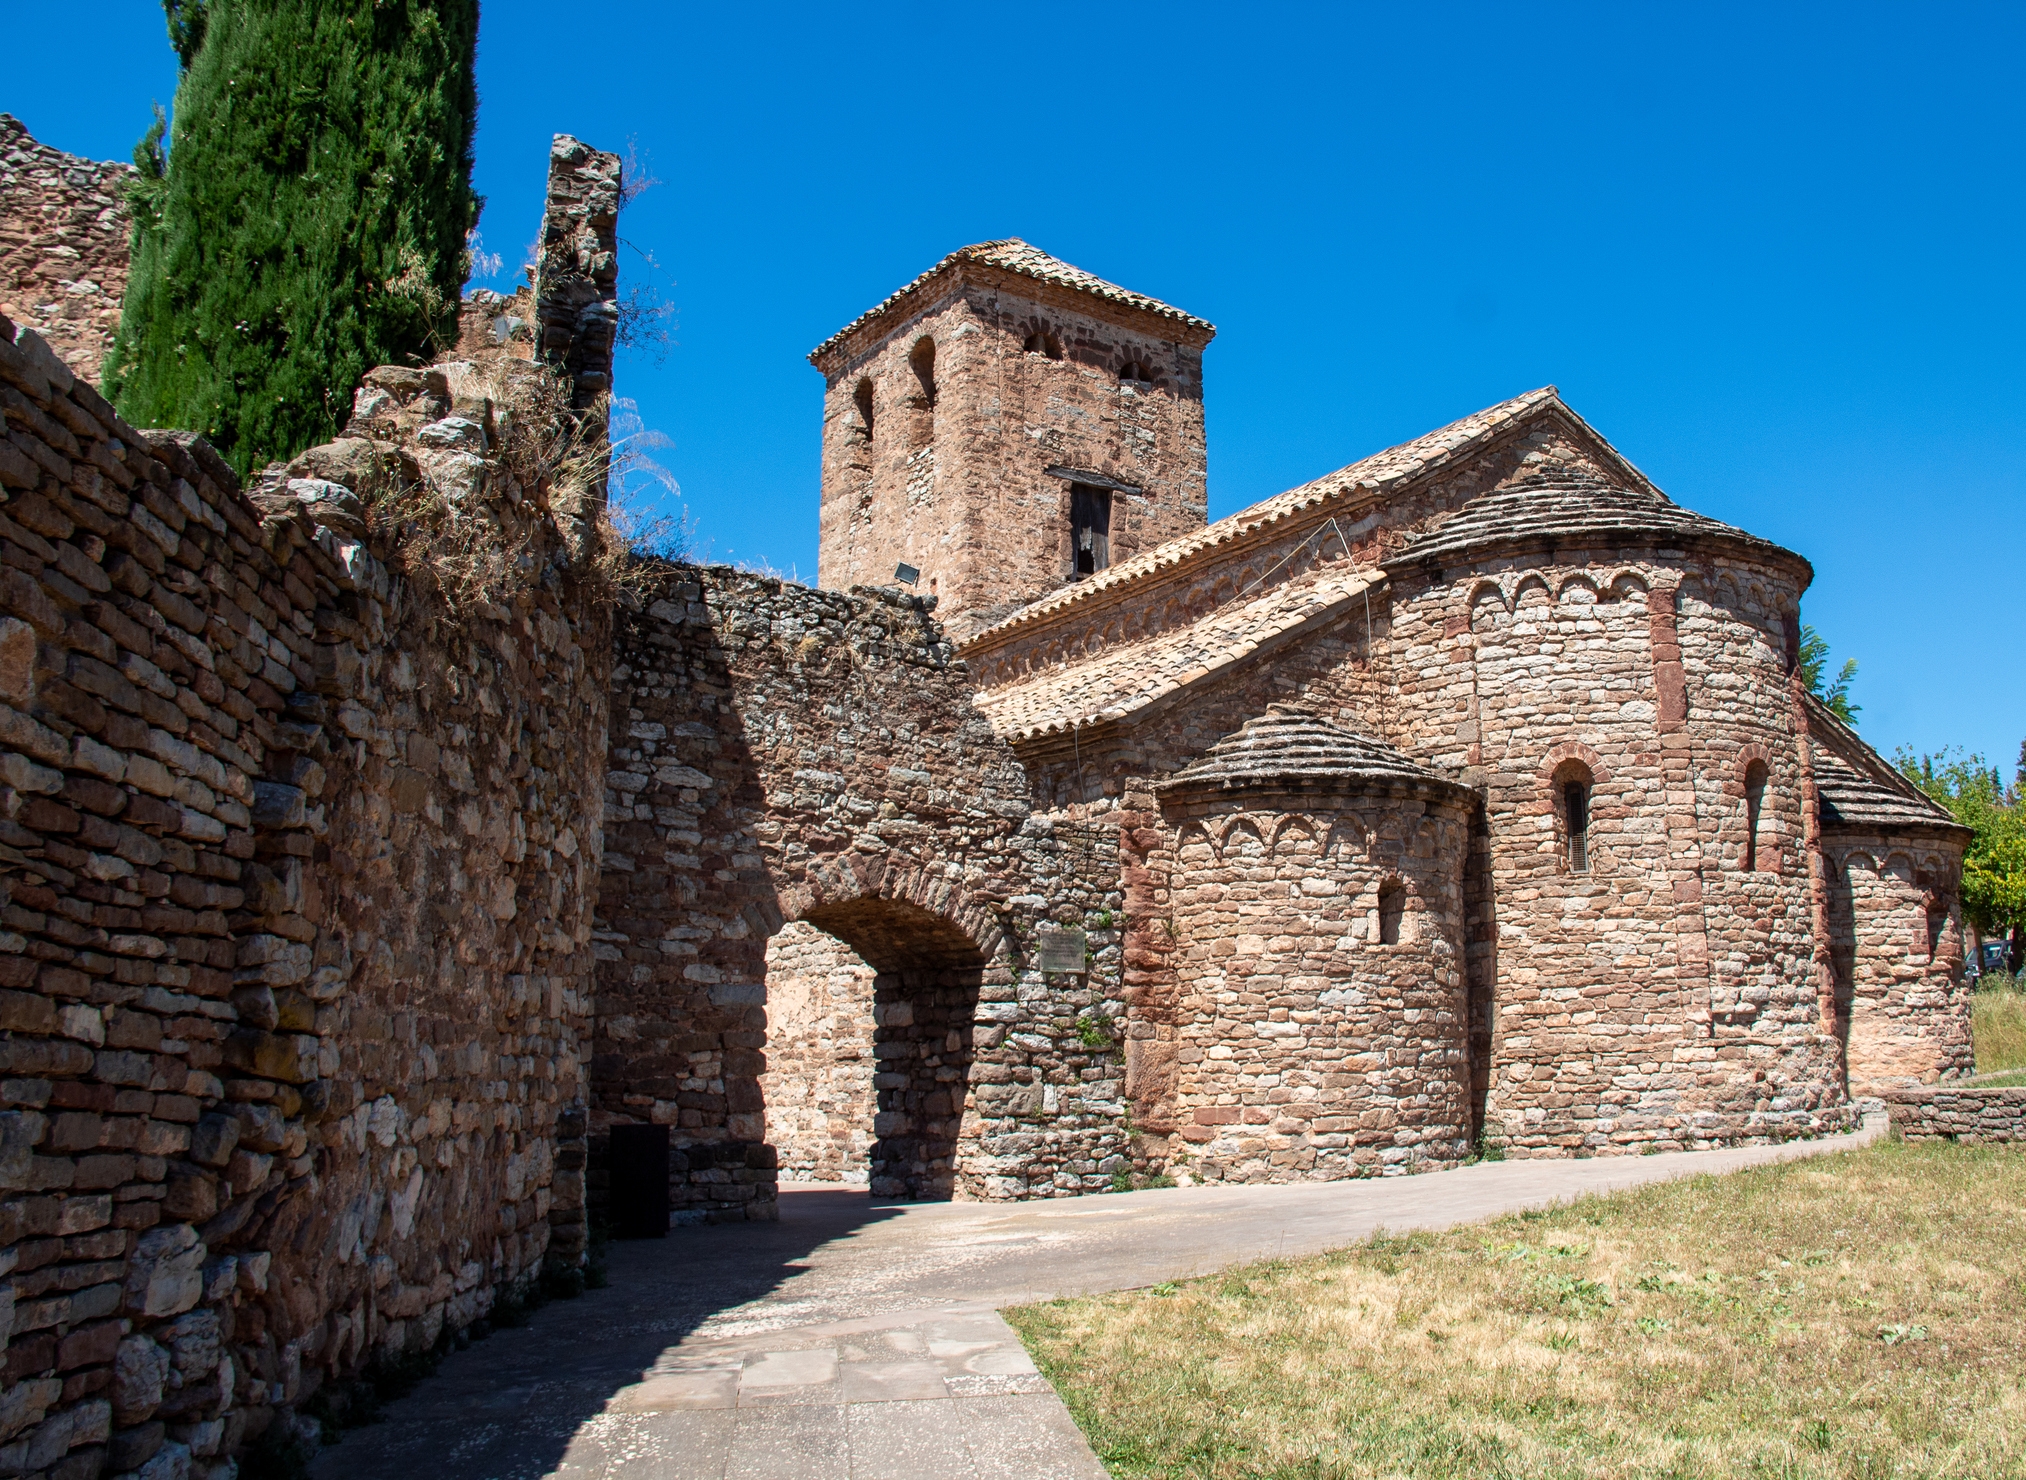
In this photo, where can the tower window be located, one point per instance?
(1135, 372)
(862, 398)
(1755, 801)
(1044, 344)
(1392, 905)
(1576, 804)
(1089, 529)
(922, 360)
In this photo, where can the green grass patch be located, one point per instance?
(1852, 1316)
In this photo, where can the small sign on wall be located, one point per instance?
(1061, 950)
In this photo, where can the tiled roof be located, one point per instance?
(1372, 474)
(1860, 792)
(1288, 746)
(1570, 507)
(1014, 255)
(1127, 679)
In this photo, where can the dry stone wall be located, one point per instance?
(294, 876)
(1959, 1113)
(782, 754)
(64, 229)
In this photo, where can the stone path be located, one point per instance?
(860, 1339)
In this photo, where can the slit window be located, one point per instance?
(862, 398)
(1089, 529)
(1755, 805)
(1392, 905)
(1576, 802)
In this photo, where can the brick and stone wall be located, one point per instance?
(295, 876)
(782, 754)
(1899, 958)
(954, 479)
(64, 239)
(821, 1057)
(1959, 1113)
(1310, 1045)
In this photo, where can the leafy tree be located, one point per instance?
(308, 220)
(1994, 864)
(1836, 696)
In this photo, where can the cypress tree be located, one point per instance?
(308, 221)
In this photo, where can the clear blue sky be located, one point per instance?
(1773, 252)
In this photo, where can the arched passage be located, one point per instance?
(871, 1010)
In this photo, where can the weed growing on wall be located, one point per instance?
(308, 221)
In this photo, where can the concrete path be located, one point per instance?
(858, 1340)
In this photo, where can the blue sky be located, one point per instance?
(1772, 252)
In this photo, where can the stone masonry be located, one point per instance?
(960, 413)
(64, 229)
(375, 839)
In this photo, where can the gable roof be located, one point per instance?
(1015, 256)
(1126, 681)
(1573, 507)
(1289, 748)
(1371, 475)
(1859, 790)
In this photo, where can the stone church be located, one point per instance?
(1466, 795)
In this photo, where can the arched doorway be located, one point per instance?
(872, 1007)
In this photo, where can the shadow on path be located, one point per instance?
(507, 1407)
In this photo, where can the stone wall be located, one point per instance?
(1309, 1044)
(1899, 958)
(954, 479)
(785, 754)
(294, 874)
(821, 1030)
(64, 238)
(1959, 1113)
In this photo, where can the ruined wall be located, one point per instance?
(818, 1086)
(786, 754)
(959, 488)
(294, 876)
(1899, 959)
(64, 232)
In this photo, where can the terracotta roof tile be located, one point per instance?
(1017, 256)
(1129, 679)
(1395, 464)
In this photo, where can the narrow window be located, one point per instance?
(922, 358)
(1576, 800)
(1755, 802)
(862, 397)
(1938, 921)
(1089, 529)
(1392, 904)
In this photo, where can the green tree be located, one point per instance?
(1814, 662)
(1994, 864)
(308, 220)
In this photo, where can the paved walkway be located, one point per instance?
(857, 1340)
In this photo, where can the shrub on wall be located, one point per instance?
(308, 222)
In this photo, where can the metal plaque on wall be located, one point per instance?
(1061, 950)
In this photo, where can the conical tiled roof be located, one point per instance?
(1017, 256)
(1292, 748)
(1572, 508)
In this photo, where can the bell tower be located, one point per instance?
(1006, 424)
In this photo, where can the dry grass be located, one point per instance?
(1854, 1315)
(1998, 1026)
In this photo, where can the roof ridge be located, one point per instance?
(1015, 255)
(1486, 424)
